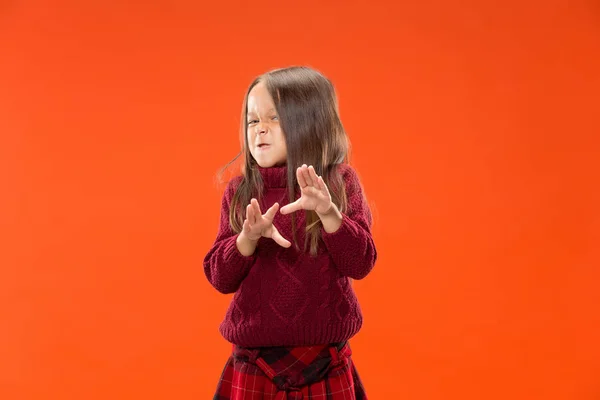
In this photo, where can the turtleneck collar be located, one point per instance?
(274, 177)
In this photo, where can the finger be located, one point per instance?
(323, 186)
(280, 240)
(250, 214)
(256, 209)
(290, 208)
(300, 177)
(320, 183)
(246, 227)
(313, 176)
(270, 214)
(307, 178)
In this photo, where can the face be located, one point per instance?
(265, 138)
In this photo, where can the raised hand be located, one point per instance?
(257, 225)
(314, 193)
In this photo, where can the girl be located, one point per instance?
(294, 308)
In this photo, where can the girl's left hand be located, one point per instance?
(314, 193)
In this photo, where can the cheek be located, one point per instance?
(280, 136)
(249, 141)
(282, 144)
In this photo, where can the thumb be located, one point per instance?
(270, 214)
(280, 240)
(292, 207)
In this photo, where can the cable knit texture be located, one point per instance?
(286, 297)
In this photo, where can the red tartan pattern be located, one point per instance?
(291, 373)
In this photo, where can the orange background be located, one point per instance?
(475, 131)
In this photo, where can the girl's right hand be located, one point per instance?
(257, 225)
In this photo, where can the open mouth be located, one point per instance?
(263, 146)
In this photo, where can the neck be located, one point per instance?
(274, 177)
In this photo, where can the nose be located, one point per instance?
(260, 128)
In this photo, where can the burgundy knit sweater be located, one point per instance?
(286, 297)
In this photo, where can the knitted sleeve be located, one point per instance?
(224, 266)
(351, 246)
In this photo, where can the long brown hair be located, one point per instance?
(307, 106)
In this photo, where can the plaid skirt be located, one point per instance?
(291, 373)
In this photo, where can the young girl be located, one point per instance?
(294, 308)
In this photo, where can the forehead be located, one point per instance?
(259, 99)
